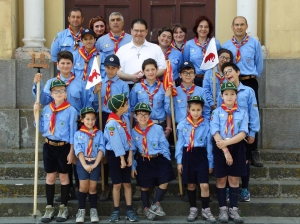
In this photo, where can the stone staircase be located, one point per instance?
(275, 188)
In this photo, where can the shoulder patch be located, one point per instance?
(111, 128)
(54, 39)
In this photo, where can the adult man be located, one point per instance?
(248, 57)
(133, 54)
(111, 42)
(68, 39)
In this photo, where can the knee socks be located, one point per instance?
(145, 198)
(93, 200)
(221, 194)
(205, 202)
(50, 189)
(192, 197)
(82, 200)
(64, 191)
(159, 195)
(233, 196)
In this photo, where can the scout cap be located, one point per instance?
(186, 64)
(142, 107)
(56, 83)
(88, 31)
(116, 101)
(112, 60)
(228, 86)
(196, 99)
(87, 110)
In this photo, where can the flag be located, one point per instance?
(94, 77)
(211, 58)
(168, 79)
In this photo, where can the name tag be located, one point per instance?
(80, 137)
(106, 45)
(221, 115)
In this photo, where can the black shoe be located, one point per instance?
(105, 194)
(256, 161)
(184, 197)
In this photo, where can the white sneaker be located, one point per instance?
(193, 214)
(49, 214)
(63, 214)
(80, 216)
(94, 215)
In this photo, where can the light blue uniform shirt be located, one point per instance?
(202, 138)
(176, 60)
(63, 41)
(219, 119)
(192, 52)
(208, 82)
(81, 142)
(252, 61)
(115, 137)
(118, 86)
(180, 103)
(156, 142)
(246, 100)
(65, 124)
(78, 65)
(77, 95)
(106, 45)
(161, 103)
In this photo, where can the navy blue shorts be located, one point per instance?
(195, 166)
(238, 168)
(152, 173)
(55, 158)
(117, 174)
(84, 175)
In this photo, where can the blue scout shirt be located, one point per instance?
(156, 142)
(192, 52)
(106, 45)
(81, 142)
(218, 122)
(161, 103)
(118, 86)
(208, 82)
(176, 60)
(63, 41)
(78, 65)
(202, 138)
(180, 103)
(246, 100)
(115, 137)
(65, 124)
(252, 61)
(76, 93)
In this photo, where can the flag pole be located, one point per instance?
(214, 84)
(101, 126)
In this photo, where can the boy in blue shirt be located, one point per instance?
(58, 125)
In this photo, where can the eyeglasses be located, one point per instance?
(139, 31)
(228, 71)
(223, 58)
(143, 115)
(187, 73)
(58, 91)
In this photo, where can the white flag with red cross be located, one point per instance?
(94, 77)
(211, 58)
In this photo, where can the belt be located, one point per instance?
(151, 156)
(55, 143)
(158, 121)
(199, 76)
(89, 159)
(245, 77)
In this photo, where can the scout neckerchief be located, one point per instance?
(116, 41)
(230, 117)
(144, 134)
(168, 52)
(113, 116)
(148, 92)
(91, 136)
(86, 59)
(76, 38)
(54, 110)
(70, 80)
(107, 91)
(173, 44)
(220, 78)
(190, 121)
(238, 46)
(190, 92)
(203, 46)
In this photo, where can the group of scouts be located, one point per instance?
(211, 136)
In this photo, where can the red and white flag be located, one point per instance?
(211, 58)
(94, 77)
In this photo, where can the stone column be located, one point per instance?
(248, 9)
(34, 23)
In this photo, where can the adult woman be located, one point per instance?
(195, 48)
(99, 25)
(165, 38)
(179, 33)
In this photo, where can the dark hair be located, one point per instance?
(179, 25)
(96, 19)
(198, 21)
(195, 102)
(80, 123)
(165, 29)
(65, 55)
(123, 104)
(230, 64)
(139, 21)
(239, 17)
(149, 61)
(75, 9)
(223, 50)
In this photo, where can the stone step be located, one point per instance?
(282, 207)
(268, 172)
(262, 189)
